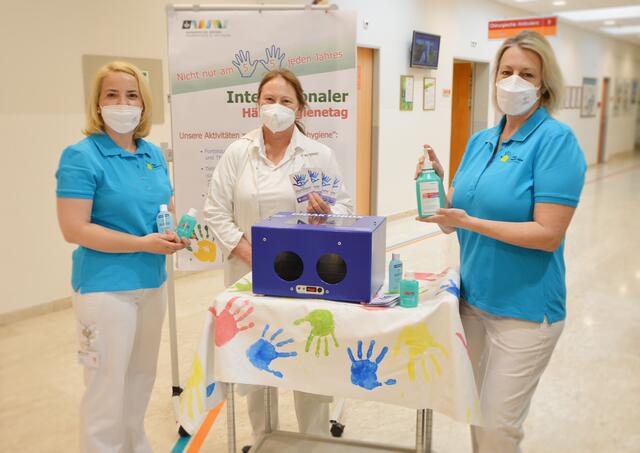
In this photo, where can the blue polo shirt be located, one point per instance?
(127, 190)
(541, 163)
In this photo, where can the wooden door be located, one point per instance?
(460, 114)
(363, 152)
(602, 133)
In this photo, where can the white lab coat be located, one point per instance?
(233, 203)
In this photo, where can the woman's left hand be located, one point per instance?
(317, 205)
(454, 218)
(173, 237)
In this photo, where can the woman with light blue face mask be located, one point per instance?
(510, 203)
(110, 186)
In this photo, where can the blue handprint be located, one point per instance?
(364, 372)
(274, 58)
(243, 63)
(326, 180)
(299, 180)
(450, 287)
(263, 352)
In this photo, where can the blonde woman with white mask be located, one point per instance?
(510, 203)
(109, 190)
(251, 182)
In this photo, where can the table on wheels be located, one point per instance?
(412, 357)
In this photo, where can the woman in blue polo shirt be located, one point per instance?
(511, 202)
(110, 188)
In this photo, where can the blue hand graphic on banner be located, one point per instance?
(274, 58)
(244, 65)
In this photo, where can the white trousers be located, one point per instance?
(312, 411)
(119, 335)
(508, 357)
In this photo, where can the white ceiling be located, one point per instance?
(545, 8)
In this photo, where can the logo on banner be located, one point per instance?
(207, 24)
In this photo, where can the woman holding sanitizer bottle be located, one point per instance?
(510, 203)
(110, 187)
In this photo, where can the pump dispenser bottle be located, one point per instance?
(187, 224)
(429, 190)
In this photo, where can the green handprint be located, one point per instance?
(321, 327)
(206, 247)
(242, 286)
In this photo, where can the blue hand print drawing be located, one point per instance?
(299, 180)
(244, 65)
(274, 58)
(450, 287)
(314, 175)
(364, 372)
(263, 352)
(326, 181)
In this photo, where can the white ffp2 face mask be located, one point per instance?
(515, 95)
(121, 118)
(277, 117)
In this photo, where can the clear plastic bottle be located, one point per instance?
(429, 190)
(187, 224)
(395, 273)
(164, 220)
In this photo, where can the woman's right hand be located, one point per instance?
(161, 244)
(437, 166)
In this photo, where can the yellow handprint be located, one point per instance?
(194, 386)
(419, 341)
(206, 251)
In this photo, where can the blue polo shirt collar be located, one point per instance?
(108, 147)
(535, 120)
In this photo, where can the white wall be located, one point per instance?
(41, 109)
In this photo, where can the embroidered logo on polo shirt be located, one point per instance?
(149, 166)
(506, 157)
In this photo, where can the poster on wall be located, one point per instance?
(589, 97)
(406, 93)
(216, 61)
(429, 93)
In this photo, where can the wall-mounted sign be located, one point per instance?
(501, 29)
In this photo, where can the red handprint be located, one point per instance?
(226, 323)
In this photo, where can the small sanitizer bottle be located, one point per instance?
(164, 220)
(187, 224)
(395, 273)
(409, 291)
(429, 190)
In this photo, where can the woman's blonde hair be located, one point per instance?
(94, 122)
(292, 80)
(552, 83)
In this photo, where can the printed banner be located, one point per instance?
(502, 29)
(216, 61)
(412, 357)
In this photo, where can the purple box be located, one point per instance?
(337, 257)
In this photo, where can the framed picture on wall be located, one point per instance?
(406, 92)
(429, 93)
(589, 97)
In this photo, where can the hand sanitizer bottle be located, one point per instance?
(409, 291)
(429, 190)
(187, 224)
(395, 273)
(164, 220)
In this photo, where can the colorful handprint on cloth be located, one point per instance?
(226, 323)
(419, 342)
(274, 58)
(364, 372)
(263, 352)
(192, 390)
(321, 327)
(242, 286)
(206, 248)
(451, 288)
(244, 65)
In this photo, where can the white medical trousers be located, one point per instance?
(508, 357)
(119, 335)
(312, 411)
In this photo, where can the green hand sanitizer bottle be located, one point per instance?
(429, 190)
(187, 224)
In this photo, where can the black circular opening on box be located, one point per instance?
(288, 266)
(331, 268)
